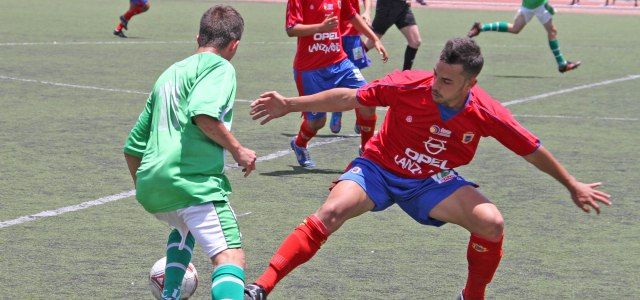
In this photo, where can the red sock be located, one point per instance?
(119, 27)
(483, 257)
(305, 134)
(132, 12)
(295, 250)
(367, 127)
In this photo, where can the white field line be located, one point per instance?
(50, 213)
(569, 90)
(55, 43)
(576, 117)
(107, 199)
(88, 87)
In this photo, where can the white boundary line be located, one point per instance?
(100, 201)
(116, 197)
(576, 117)
(569, 90)
(55, 43)
(88, 87)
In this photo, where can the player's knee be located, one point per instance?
(516, 29)
(493, 226)
(144, 7)
(415, 44)
(331, 215)
(553, 34)
(317, 124)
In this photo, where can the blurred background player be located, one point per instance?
(175, 154)
(433, 124)
(320, 62)
(543, 11)
(353, 46)
(135, 7)
(398, 12)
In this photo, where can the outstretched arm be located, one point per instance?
(584, 195)
(272, 105)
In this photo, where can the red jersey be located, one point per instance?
(324, 48)
(346, 28)
(415, 142)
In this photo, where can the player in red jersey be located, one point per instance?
(433, 124)
(135, 7)
(320, 62)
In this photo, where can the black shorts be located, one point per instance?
(390, 12)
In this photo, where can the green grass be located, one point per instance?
(62, 146)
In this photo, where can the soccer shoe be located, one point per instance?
(475, 29)
(254, 292)
(336, 122)
(422, 2)
(124, 22)
(302, 155)
(356, 129)
(119, 34)
(460, 296)
(568, 66)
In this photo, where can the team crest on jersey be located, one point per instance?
(435, 129)
(328, 6)
(467, 137)
(434, 146)
(355, 170)
(311, 7)
(409, 119)
(479, 247)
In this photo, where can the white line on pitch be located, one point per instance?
(55, 43)
(569, 90)
(576, 117)
(107, 199)
(88, 87)
(115, 197)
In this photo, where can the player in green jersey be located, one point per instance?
(543, 11)
(175, 153)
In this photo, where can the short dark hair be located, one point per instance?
(463, 51)
(220, 25)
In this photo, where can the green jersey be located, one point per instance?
(180, 165)
(531, 4)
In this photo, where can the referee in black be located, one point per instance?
(398, 12)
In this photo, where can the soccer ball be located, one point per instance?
(156, 280)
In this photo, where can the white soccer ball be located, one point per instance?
(156, 280)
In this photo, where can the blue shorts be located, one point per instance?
(138, 2)
(341, 74)
(352, 45)
(415, 196)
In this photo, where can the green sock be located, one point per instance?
(555, 48)
(227, 282)
(495, 26)
(177, 263)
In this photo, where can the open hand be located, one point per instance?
(270, 105)
(586, 196)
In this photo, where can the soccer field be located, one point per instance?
(70, 92)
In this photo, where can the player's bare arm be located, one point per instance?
(330, 23)
(363, 28)
(272, 105)
(133, 162)
(584, 195)
(216, 131)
